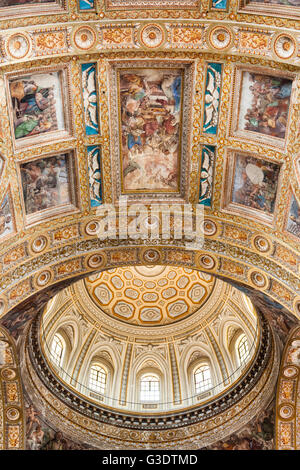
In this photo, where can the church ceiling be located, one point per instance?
(91, 92)
(114, 102)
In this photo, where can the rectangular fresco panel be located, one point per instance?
(95, 175)
(89, 92)
(264, 104)
(255, 183)
(12, 3)
(46, 183)
(293, 222)
(206, 175)
(294, 3)
(212, 98)
(37, 105)
(6, 217)
(150, 103)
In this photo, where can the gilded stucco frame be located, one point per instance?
(286, 217)
(271, 9)
(231, 207)
(73, 185)
(237, 84)
(188, 68)
(58, 6)
(65, 134)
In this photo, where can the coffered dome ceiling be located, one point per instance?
(150, 295)
(176, 105)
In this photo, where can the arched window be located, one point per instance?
(202, 379)
(149, 388)
(98, 379)
(57, 350)
(243, 349)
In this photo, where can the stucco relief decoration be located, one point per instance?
(11, 401)
(152, 35)
(284, 46)
(151, 4)
(288, 395)
(220, 37)
(18, 45)
(84, 37)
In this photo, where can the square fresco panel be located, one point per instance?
(150, 106)
(46, 183)
(264, 104)
(255, 183)
(37, 105)
(293, 221)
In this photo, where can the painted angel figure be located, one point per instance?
(212, 97)
(90, 99)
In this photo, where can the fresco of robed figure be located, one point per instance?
(150, 127)
(12, 3)
(45, 183)
(264, 104)
(37, 104)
